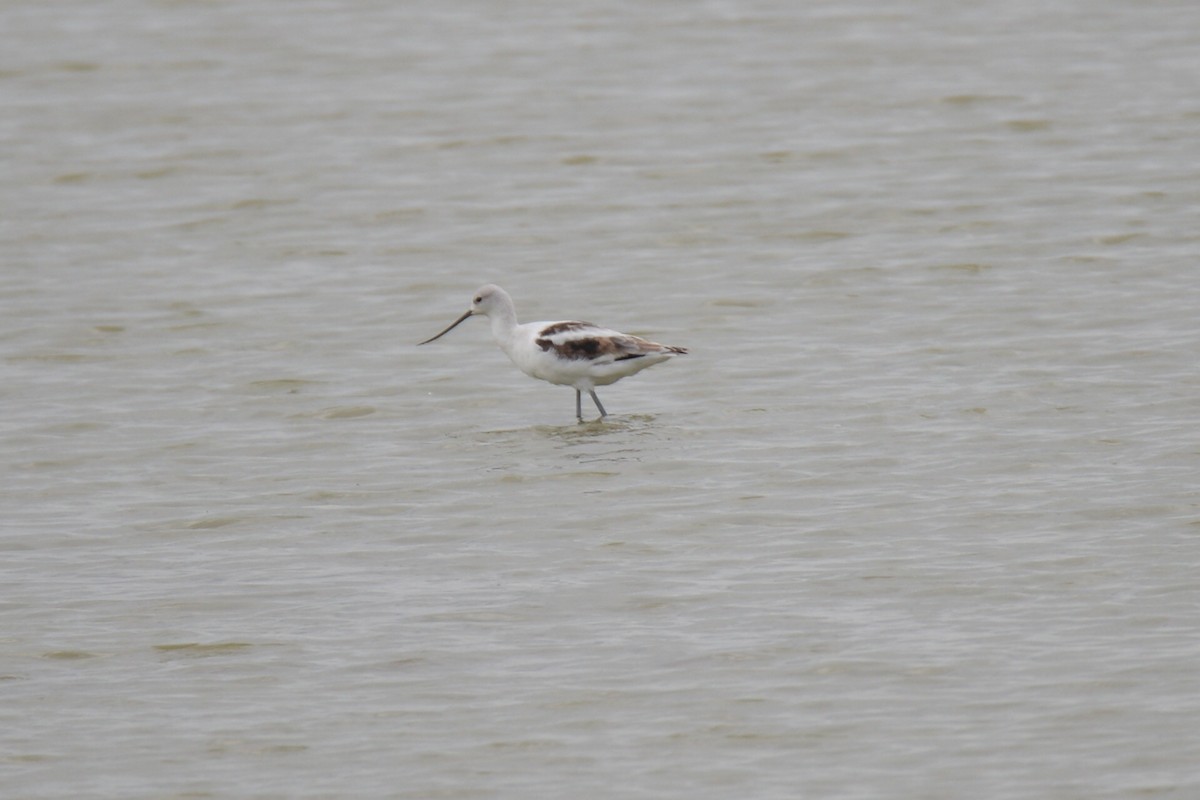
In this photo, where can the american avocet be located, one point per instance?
(576, 354)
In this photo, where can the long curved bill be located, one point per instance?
(453, 325)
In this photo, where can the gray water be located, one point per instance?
(916, 518)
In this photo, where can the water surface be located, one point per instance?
(916, 518)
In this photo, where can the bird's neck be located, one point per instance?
(504, 324)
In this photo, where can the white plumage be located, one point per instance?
(576, 354)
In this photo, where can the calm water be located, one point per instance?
(917, 518)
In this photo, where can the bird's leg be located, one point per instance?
(578, 406)
(596, 400)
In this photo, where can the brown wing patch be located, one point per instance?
(609, 345)
(564, 327)
(587, 347)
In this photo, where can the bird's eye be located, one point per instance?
(478, 299)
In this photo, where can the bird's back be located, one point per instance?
(573, 352)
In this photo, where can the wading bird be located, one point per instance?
(576, 354)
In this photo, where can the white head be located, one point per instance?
(489, 299)
(486, 301)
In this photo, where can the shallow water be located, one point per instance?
(916, 518)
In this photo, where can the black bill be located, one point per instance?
(453, 325)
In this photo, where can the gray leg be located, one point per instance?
(596, 400)
(578, 406)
